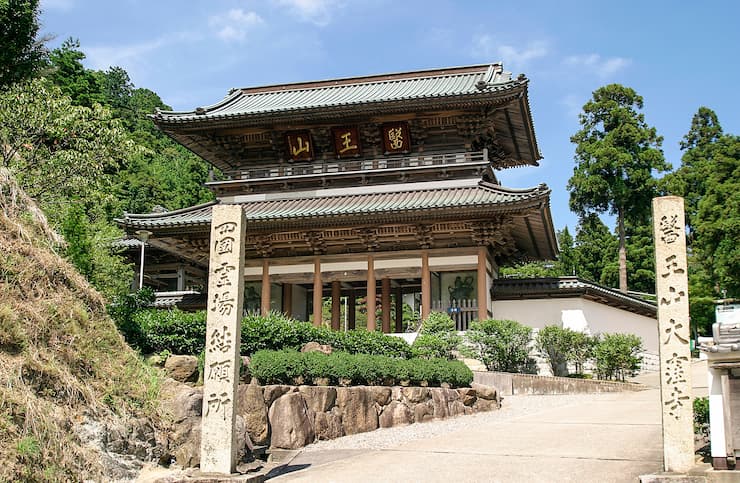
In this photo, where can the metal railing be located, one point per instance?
(354, 166)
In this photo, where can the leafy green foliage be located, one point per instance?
(287, 366)
(123, 311)
(538, 269)
(554, 343)
(172, 330)
(701, 414)
(616, 155)
(502, 345)
(74, 80)
(617, 356)
(437, 338)
(22, 54)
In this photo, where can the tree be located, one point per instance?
(74, 80)
(554, 343)
(22, 54)
(58, 151)
(617, 356)
(616, 155)
(718, 220)
(501, 345)
(568, 256)
(595, 247)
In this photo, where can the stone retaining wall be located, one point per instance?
(527, 384)
(294, 416)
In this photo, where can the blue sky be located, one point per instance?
(678, 55)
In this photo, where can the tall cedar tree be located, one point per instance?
(616, 154)
(22, 54)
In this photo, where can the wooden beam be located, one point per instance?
(399, 309)
(336, 301)
(426, 286)
(385, 298)
(265, 303)
(352, 308)
(288, 299)
(370, 293)
(482, 283)
(318, 288)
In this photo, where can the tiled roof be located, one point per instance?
(360, 203)
(534, 288)
(459, 82)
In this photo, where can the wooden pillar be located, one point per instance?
(352, 309)
(482, 283)
(385, 301)
(426, 286)
(318, 288)
(288, 299)
(370, 293)
(265, 303)
(336, 300)
(399, 310)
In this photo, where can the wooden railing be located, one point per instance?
(419, 161)
(461, 311)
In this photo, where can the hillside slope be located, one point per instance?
(65, 370)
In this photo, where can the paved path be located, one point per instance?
(588, 438)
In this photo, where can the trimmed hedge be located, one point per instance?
(287, 366)
(184, 333)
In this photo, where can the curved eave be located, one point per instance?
(500, 94)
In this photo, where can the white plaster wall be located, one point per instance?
(586, 315)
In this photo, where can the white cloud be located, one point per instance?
(595, 63)
(317, 12)
(485, 46)
(573, 105)
(234, 24)
(132, 57)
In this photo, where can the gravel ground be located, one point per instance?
(512, 408)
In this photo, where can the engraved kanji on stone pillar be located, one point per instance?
(223, 328)
(672, 289)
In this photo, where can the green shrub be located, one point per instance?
(701, 414)
(283, 367)
(437, 338)
(363, 342)
(172, 330)
(122, 311)
(502, 345)
(617, 356)
(555, 344)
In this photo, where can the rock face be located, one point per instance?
(253, 409)
(357, 407)
(290, 423)
(182, 368)
(291, 417)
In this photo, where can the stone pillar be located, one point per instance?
(385, 302)
(399, 310)
(352, 309)
(318, 293)
(223, 330)
(482, 283)
(336, 301)
(370, 293)
(288, 299)
(672, 290)
(426, 286)
(265, 303)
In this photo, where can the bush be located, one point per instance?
(554, 343)
(502, 345)
(701, 415)
(122, 311)
(282, 367)
(616, 356)
(172, 330)
(437, 338)
(276, 332)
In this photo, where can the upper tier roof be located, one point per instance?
(478, 81)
